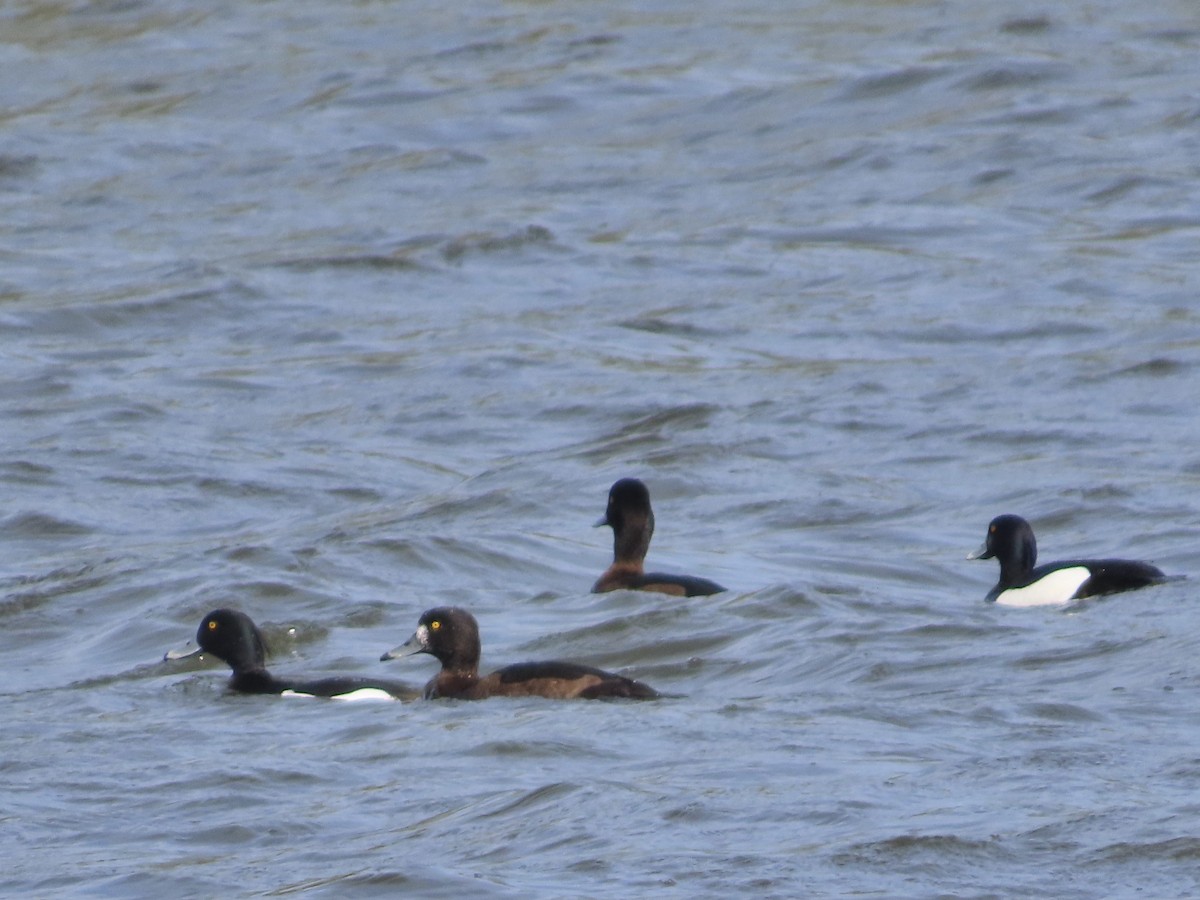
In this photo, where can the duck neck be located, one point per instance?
(631, 542)
(256, 681)
(464, 664)
(1016, 568)
(451, 684)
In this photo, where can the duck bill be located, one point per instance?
(601, 522)
(411, 647)
(981, 553)
(187, 650)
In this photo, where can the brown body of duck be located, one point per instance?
(451, 635)
(632, 520)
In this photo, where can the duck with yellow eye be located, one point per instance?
(1024, 583)
(233, 638)
(451, 635)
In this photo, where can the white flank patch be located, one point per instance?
(360, 694)
(1056, 588)
(364, 694)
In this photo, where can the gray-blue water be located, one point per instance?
(335, 312)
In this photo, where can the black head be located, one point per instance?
(1010, 540)
(448, 633)
(627, 499)
(232, 637)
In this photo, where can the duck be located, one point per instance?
(1010, 540)
(232, 637)
(451, 635)
(632, 520)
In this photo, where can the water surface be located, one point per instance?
(336, 313)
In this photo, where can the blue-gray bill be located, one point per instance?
(415, 644)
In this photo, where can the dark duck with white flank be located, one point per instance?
(234, 639)
(1024, 583)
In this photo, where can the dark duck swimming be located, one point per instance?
(451, 635)
(233, 638)
(632, 520)
(1024, 583)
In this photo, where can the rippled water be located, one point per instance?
(337, 312)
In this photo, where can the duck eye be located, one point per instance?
(212, 624)
(991, 529)
(435, 625)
